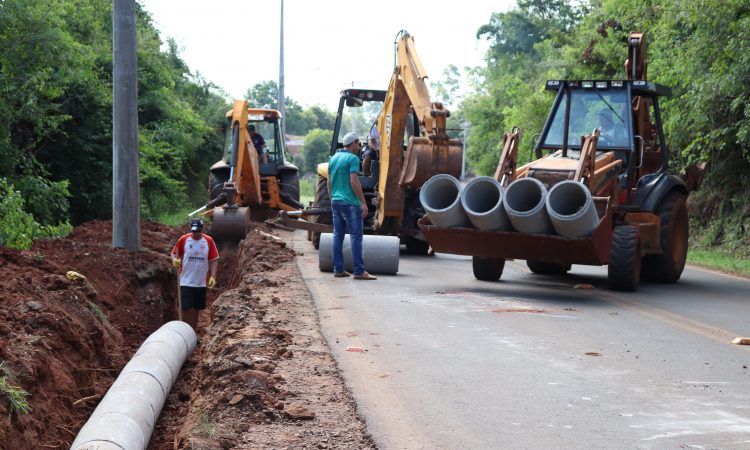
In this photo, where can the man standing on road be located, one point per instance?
(196, 254)
(348, 206)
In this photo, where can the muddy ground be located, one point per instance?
(261, 377)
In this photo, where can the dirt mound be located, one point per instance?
(64, 341)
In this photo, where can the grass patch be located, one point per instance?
(206, 427)
(97, 311)
(15, 395)
(720, 260)
(175, 219)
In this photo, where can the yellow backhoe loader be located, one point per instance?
(414, 146)
(250, 183)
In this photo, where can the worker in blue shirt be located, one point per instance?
(348, 207)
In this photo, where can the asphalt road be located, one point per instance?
(530, 362)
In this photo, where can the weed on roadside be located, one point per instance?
(206, 427)
(15, 395)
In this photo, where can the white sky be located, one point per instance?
(328, 44)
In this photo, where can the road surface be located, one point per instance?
(531, 362)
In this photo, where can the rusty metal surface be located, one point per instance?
(593, 250)
(426, 157)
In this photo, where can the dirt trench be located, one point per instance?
(261, 377)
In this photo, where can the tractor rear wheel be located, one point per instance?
(673, 239)
(216, 184)
(322, 200)
(289, 184)
(543, 268)
(487, 269)
(624, 270)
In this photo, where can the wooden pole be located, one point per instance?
(126, 220)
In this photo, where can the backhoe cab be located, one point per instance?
(241, 187)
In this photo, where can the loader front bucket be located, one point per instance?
(426, 157)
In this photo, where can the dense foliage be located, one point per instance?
(700, 49)
(56, 109)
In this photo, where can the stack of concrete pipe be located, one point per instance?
(525, 205)
(125, 418)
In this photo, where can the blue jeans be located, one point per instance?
(347, 216)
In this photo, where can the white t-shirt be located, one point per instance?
(195, 255)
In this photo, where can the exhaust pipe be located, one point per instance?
(571, 209)
(524, 203)
(380, 254)
(126, 416)
(482, 199)
(441, 199)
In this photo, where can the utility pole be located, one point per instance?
(126, 213)
(282, 106)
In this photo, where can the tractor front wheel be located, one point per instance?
(543, 268)
(624, 268)
(487, 269)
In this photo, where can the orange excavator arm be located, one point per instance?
(426, 155)
(244, 172)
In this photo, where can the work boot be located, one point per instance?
(341, 274)
(365, 276)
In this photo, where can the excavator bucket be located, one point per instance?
(426, 157)
(229, 225)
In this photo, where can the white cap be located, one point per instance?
(349, 138)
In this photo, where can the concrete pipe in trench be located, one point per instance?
(482, 199)
(524, 202)
(441, 199)
(380, 254)
(125, 418)
(571, 209)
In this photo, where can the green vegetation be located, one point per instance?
(15, 395)
(719, 259)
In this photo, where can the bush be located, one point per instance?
(18, 229)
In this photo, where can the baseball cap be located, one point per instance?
(349, 138)
(196, 225)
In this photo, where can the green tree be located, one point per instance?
(316, 149)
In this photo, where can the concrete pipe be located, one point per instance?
(125, 418)
(441, 199)
(482, 199)
(524, 202)
(380, 254)
(571, 209)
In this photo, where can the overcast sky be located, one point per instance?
(328, 44)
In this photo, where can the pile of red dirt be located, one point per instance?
(261, 377)
(63, 341)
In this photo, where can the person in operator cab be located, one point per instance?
(371, 151)
(259, 143)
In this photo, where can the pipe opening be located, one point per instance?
(481, 197)
(440, 193)
(524, 195)
(567, 199)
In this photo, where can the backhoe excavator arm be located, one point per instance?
(426, 155)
